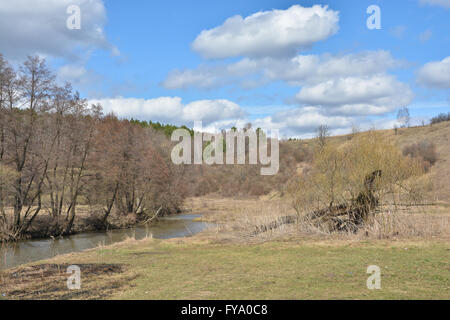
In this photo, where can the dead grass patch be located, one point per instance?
(49, 281)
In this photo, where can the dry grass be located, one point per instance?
(48, 281)
(236, 220)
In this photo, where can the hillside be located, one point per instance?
(438, 134)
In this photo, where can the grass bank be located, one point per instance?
(194, 269)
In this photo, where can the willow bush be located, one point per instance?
(338, 173)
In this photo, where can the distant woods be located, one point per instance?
(440, 118)
(167, 129)
(60, 156)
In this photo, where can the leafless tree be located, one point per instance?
(323, 132)
(404, 117)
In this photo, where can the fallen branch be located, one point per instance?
(155, 215)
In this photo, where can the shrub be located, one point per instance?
(338, 173)
(423, 151)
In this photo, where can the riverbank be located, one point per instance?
(224, 262)
(46, 226)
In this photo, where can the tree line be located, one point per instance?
(59, 154)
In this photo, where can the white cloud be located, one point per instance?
(268, 33)
(302, 122)
(441, 3)
(358, 95)
(221, 114)
(71, 72)
(224, 114)
(339, 84)
(312, 69)
(39, 27)
(306, 120)
(299, 70)
(171, 109)
(297, 122)
(163, 108)
(435, 74)
(212, 110)
(77, 75)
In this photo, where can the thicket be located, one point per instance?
(367, 166)
(59, 156)
(424, 151)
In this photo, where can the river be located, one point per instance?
(14, 254)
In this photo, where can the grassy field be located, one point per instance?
(198, 269)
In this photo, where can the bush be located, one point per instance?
(423, 151)
(338, 173)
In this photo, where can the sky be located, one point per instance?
(286, 65)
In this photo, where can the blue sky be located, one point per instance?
(156, 60)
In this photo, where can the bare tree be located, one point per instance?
(322, 133)
(28, 98)
(404, 117)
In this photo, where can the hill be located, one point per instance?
(437, 134)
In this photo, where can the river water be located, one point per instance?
(14, 254)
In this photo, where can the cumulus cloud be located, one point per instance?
(335, 87)
(299, 70)
(296, 122)
(312, 69)
(348, 84)
(304, 120)
(268, 33)
(358, 95)
(171, 109)
(435, 74)
(441, 3)
(77, 75)
(39, 27)
(222, 114)
(212, 110)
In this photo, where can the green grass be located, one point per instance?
(276, 270)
